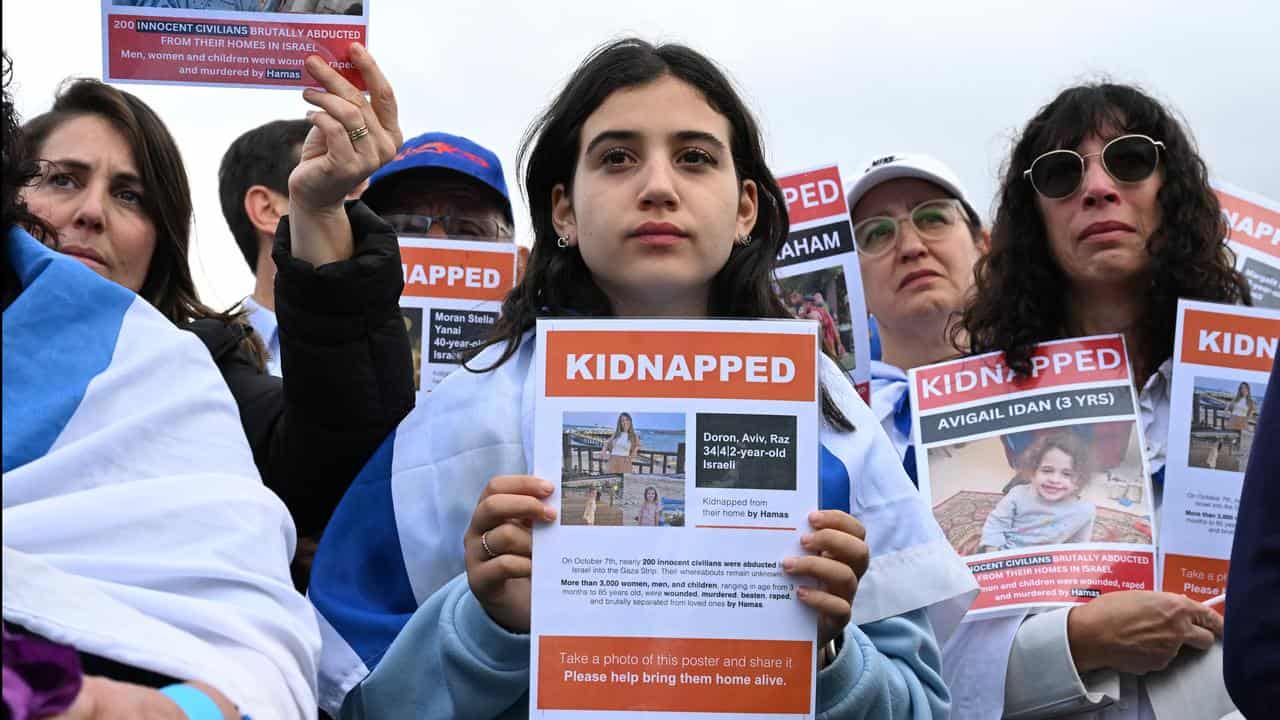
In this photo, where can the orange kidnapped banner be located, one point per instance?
(681, 364)
(1229, 340)
(1199, 578)
(1251, 224)
(460, 274)
(712, 675)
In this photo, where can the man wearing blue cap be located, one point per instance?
(442, 185)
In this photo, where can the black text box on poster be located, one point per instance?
(1264, 283)
(816, 242)
(453, 332)
(1006, 414)
(755, 452)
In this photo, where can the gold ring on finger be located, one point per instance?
(484, 543)
(358, 133)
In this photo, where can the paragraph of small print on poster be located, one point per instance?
(750, 452)
(623, 469)
(1076, 484)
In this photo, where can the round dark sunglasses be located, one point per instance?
(1127, 159)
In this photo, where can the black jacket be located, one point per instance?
(348, 371)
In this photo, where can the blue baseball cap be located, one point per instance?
(452, 152)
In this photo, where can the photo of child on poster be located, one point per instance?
(623, 469)
(1051, 486)
(1224, 413)
(823, 295)
(413, 325)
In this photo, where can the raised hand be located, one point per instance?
(350, 138)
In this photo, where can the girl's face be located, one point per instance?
(1098, 234)
(1054, 479)
(650, 495)
(655, 206)
(91, 194)
(1245, 390)
(626, 423)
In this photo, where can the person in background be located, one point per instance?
(1251, 642)
(253, 187)
(441, 185)
(145, 569)
(918, 239)
(1105, 219)
(114, 188)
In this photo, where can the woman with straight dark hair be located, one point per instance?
(114, 188)
(650, 197)
(1106, 219)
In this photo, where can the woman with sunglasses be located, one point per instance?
(1106, 218)
(918, 239)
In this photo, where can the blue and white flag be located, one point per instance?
(396, 537)
(136, 526)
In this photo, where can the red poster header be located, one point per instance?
(1229, 340)
(1053, 364)
(676, 364)
(226, 51)
(1251, 224)
(814, 194)
(461, 274)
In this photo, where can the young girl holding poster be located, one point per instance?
(637, 212)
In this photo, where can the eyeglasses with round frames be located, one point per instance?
(1128, 159)
(931, 220)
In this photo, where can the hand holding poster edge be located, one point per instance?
(499, 546)
(838, 559)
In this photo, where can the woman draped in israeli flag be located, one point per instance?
(422, 578)
(136, 528)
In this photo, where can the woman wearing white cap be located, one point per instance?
(918, 239)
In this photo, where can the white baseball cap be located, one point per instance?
(916, 165)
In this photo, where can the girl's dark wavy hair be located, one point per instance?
(166, 194)
(1021, 290)
(557, 281)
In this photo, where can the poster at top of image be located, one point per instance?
(232, 43)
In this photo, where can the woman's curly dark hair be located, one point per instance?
(1021, 291)
(20, 169)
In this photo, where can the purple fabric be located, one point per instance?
(41, 678)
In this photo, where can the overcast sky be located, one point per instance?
(830, 81)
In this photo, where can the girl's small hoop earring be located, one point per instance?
(745, 240)
(562, 242)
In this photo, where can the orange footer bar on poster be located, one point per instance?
(713, 675)
(1199, 578)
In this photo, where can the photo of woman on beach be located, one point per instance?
(622, 448)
